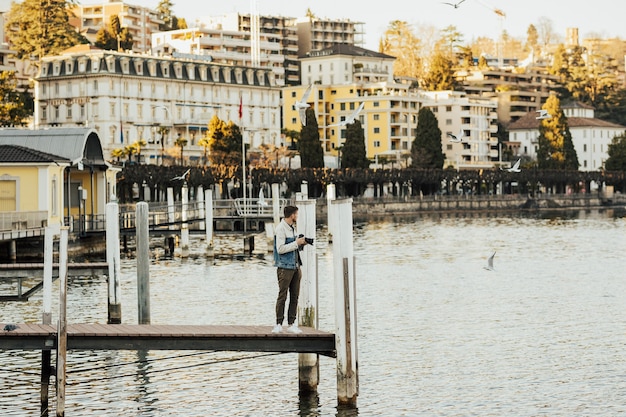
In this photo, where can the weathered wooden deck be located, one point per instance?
(168, 337)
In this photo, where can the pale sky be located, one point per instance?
(473, 18)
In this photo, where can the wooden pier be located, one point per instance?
(168, 337)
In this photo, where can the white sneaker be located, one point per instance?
(294, 329)
(277, 329)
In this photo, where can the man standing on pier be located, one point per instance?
(287, 260)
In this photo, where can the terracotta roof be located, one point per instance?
(16, 153)
(529, 121)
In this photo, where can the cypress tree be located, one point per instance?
(309, 145)
(556, 149)
(354, 154)
(426, 148)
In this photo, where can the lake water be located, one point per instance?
(542, 334)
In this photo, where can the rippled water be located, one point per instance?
(543, 334)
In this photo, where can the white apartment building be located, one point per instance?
(316, 33)
(222, 47)
(476, 118)
(141, 22)
(591, 137)
(129, 97)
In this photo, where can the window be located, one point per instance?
(82, 111)
(56, 88)
(342, 106)
(448, 109)
(56, 113)
(293, 94)
(69, 88)
(44, 113)
(112, 109)
(448, 122)
(376, 104)
(377, 117)
(95, 85)
(585, 147)
(69, 111)
(377, 144)
(377, 130)
(293, 120)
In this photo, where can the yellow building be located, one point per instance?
(54, 177)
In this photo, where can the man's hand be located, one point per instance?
(300, 241)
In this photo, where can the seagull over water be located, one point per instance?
(181, 177)
(457, 138)
(515, 167)
(351, 118)
(543, 114)
(455, 5)
(302, 105)
(489, 266)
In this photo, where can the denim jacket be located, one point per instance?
(285, 247)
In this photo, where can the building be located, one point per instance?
(517, 93)
(222, 47)
(476, 118)
(315, 34)
(591, 137)
(56, 176)
(141, 22)
(130, 97)
(344, 76)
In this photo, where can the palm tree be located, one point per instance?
(205, 142)
(118, 153)
(137, 146)
(181, 142)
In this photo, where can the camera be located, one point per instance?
(308, 240)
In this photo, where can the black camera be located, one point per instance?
(308, 240)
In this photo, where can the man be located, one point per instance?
(287, 260)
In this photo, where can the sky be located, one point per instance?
(473, 18)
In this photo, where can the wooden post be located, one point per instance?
(143, 264)
(276, 204)
(208, 221)
(113, 261)
(331, 195)
(46, 369)
(62, 325)
(308, 363)
(12, 251)
(345, 300)
(184, 227)
(201, 205)
(171, 208)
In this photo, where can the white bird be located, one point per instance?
(515, 167)
(262, 201)
(302, 105)
(351, 118)
(457, 138)
(489, 266)
(455, 5)
(543, 114)
(181, 177)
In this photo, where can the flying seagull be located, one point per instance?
(302, 105)
(515, 167)
(181, 177)
(457, 138)
(543, 114)
(350, 119)
(455, 5)
(262, 201)
(489, 266)
(10, 327)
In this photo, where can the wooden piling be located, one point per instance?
(12, 251)
(201, 205)
(345, 300)
(171, 208)
(143, 263)
(62, 324)
(330, 196)
(308, 363)
(46, 368)
(208, 221)
(184, 227)
(113, 261)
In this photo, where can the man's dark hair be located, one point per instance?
(289, 210)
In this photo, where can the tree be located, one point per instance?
(181, 142)
(205, 142)
(15, 106)
(354, 154)
(400, 41)
(556, 149)
(532, 38)
(440, 75)
(40, 28)
(164, 9)
(426, 149)
(617, 154)
(105, 40)
(293, 136)
(309, 145)
(115, 37)
(224, 143)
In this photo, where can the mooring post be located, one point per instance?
(143, 264)
(46, 369)
(308, 363)
(184, 227)
(62, 325)
(276, 204)
(171, 208)
(345, 301)
(331, 195)
(201, 206)
(208, 221)
(113, 262)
